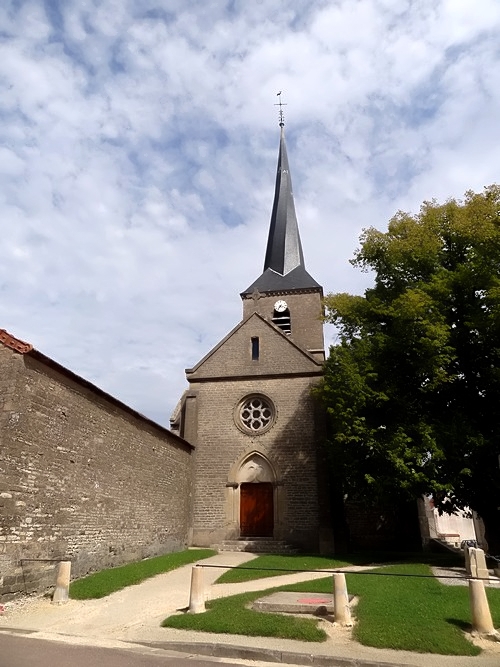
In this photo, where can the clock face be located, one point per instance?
(280, 306)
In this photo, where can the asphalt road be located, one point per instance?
(25, 651)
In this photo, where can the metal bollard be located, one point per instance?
(342, 609)
(197, 594)
(61, 594)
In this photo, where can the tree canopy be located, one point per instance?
(412, 388)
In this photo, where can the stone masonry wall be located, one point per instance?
(81, 479)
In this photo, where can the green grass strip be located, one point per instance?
(407, 614)
(231, 616)
(403, 613)
(104, 583)
(420, 615)
(256, 569)
(262, 566)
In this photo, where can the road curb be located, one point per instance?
(214, 650)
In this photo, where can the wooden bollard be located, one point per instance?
(342, 609)
(197, 594)
(482, 623)
(61, 594)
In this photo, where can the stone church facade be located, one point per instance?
(249, 410)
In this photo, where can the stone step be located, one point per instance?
(257, 545)
(443, 545)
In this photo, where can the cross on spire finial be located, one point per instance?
(281, 112)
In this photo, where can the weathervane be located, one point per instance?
(281, 112)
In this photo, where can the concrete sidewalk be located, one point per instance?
(134, 615)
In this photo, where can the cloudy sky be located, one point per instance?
(138, 155)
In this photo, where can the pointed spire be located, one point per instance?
(284, 262)
(284, 249)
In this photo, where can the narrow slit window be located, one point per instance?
(255, 349)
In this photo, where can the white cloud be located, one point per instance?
(138, 154)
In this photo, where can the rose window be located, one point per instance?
(256, 413)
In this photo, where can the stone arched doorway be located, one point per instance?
(256, 488)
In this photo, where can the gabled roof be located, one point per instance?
(230, 359)
(24, 348)
(284, 267)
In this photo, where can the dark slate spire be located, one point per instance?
(284, 263)
(284, 250)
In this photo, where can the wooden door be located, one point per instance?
(256, 510)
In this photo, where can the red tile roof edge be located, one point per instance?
(14, 343)
(24, 348)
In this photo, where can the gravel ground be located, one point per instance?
(456, 576)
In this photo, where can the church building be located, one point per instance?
(249, 411)
(241, 467)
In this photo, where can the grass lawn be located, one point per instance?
(414, 614)
(230, 616)
(104, 583)
(273, 565)
(405, 613)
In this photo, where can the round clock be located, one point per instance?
(280, 306)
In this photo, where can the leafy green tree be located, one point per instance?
(413, 387)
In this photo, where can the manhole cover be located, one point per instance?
(314, 601)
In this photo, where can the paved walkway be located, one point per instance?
(133, 616)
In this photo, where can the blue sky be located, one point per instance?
(138, 146)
